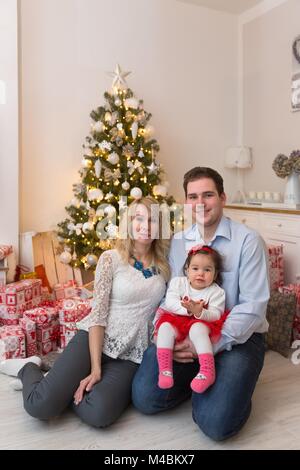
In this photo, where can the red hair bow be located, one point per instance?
(198, 248)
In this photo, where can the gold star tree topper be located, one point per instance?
(119, 77)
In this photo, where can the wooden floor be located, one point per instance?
(273, 424)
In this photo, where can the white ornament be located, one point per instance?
(98, 166)
(95, 194)
(159, 190)
(65, 257)
(87, 227)
(85, 163)
(134, 129)
(136, 193)
(97, 126)
(141, 154)
(120, 126)
(92, 260)
(118, 101)
(109, 211)
(112, 230)
(99, 212)
(113, 158)
(136, 166)
(107, 117)
(105, 145)
(152, 168)
(74, 228)
(131, 103)
(119, 77)
(109, 196)
(125, 185)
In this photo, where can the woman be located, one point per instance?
(95, 371)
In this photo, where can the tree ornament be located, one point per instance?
(97, 126)
(91, 259)
(65, 257)
(87, 227)
(74, 228)
(95, 194)
(112, 230)
(125, 185)
(131, 103)
(110, 211)
(134, 129)
(141, 154)
(109, 196)
(153, 168)
(86, 163)
(113, 158)
(88, 152)
(136, 193)
(118, 102)
(98, 166)
(107, 117)
(136, 166)
(119, 78)
(99, 212)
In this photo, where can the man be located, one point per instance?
(222, 410)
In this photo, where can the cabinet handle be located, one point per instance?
(244, 221)
(279, 225)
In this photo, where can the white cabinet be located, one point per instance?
(276, 227)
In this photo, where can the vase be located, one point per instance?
(292, 189)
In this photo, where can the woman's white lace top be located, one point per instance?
(124, 303)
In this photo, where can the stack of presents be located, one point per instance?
(33, 321)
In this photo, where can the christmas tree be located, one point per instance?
(119, 165)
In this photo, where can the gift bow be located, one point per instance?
(74, 228)
(135, 166)
(109, 175)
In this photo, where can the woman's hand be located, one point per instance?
(184, 352)
(86, 385)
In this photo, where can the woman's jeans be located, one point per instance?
(222, 410)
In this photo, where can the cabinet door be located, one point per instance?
(291, 252)
(251, 219)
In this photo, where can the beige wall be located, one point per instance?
(269, 125)
(9, 139)
(183, 60)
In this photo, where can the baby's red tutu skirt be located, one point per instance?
(183, 323)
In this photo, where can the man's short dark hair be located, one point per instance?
(200, 172)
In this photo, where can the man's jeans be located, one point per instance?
(222, 410)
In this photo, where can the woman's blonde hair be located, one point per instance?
(159, 246)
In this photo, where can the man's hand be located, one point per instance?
(184, 352)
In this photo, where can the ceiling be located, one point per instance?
(231, 6)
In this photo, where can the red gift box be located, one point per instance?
(294, 288)
(18, 293)
(29, 328)
(276, 266)
(42, 315)
(71, 311)
(12, 342)
(66, 290)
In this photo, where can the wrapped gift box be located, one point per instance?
(276, 266)
(21, 292)
(12, 342)
(47, 328)
(29, 328)
(295, 288)
(71, 311)
(66, 290)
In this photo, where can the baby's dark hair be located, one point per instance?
(208, 251)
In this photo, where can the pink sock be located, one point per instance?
(206, 375)
(165, 366)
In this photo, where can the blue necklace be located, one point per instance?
(146, 272)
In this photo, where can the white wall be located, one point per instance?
(269, 125)
(9, 140)
(183, 60)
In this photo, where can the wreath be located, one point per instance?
(296, 52)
